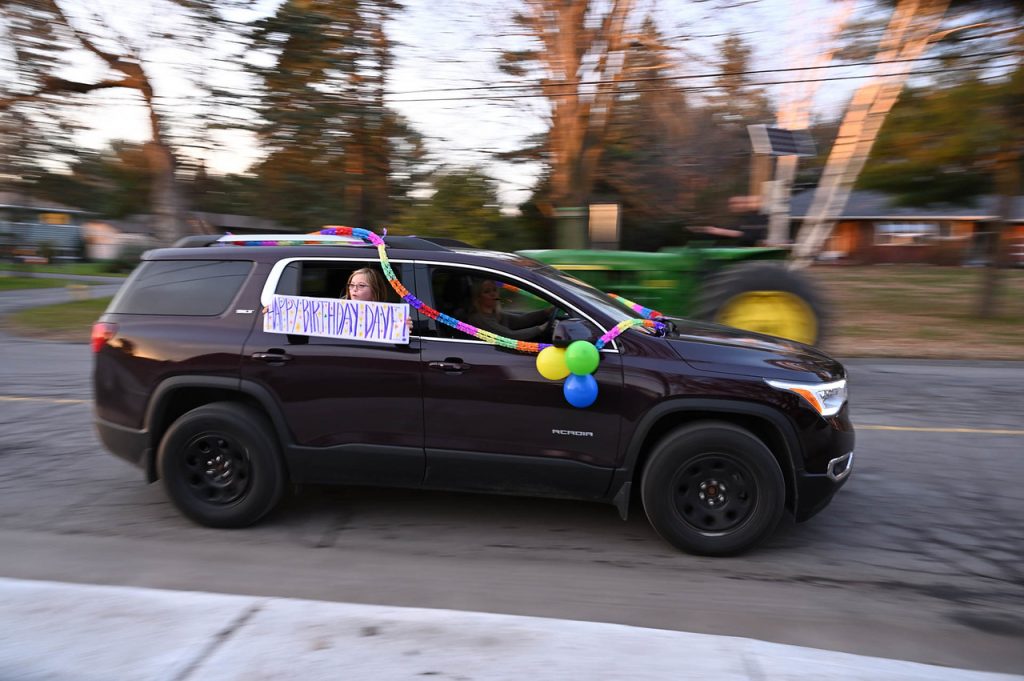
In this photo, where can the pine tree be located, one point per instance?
(330, 138)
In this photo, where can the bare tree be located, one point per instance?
(52, 31)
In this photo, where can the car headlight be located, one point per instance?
(826, 398)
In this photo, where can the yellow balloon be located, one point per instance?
(551, 363)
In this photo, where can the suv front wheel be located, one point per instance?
(713, 489)
(220, 465)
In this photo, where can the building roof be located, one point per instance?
(872, 205)
(202, 223)
(10, 199)
(247, 224)
(132, 224)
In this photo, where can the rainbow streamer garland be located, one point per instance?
(468, 329)
(627, 324)
(645, 312)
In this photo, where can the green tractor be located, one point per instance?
(748, 288)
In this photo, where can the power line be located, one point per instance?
(685, 88)
(345, 100)
(754, 72)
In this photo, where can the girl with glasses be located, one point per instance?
(366, 284)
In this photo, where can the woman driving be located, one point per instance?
(486, 314)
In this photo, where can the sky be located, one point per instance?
(455, 43)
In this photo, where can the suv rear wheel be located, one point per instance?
(713, 489)
(220, 465)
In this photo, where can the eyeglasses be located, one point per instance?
(358, 287)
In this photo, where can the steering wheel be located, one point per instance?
(556, 314)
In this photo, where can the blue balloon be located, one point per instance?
(580, 391)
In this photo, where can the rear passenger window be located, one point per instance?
(328, 278)
(182, 287)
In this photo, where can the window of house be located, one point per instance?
(906, 233)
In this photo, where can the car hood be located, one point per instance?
(725, 350)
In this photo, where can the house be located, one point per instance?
(874, 229)
(221, 223)
(107, 239)
(30, 227)
(110, 239)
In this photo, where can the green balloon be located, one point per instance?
(582, 357)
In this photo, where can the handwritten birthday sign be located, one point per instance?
(333, 318)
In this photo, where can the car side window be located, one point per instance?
(201, 288)
(329, 278)
(486, 301)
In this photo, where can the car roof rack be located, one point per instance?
(195, 241)
(445, 241)
(414, 243)
(419, 243)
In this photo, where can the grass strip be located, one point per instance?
(22, 283)
(71, 321)
(95, 268)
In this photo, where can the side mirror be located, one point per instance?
(569, 330)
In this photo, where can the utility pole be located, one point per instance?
(788, 146)
(795, 114)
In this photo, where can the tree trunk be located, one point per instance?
(355, 173)
(1009, 187)
(579, 119)
(165, 198)
(169, 225)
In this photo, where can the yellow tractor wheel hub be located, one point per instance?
(777, 313)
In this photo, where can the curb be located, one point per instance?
(53, 630)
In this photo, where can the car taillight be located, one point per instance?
(101, 333)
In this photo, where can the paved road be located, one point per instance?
(918, 558)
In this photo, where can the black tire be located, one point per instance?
(220, 465)
(713, 489)
(778, 295)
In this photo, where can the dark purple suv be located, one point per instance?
(716, 431)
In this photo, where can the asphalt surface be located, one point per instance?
(919, 558)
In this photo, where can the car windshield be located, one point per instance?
(609, 306)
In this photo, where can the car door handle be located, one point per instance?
(451, 364)
(272, 356)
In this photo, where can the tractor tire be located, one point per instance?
(765, 297)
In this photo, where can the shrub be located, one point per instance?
(127, 259)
